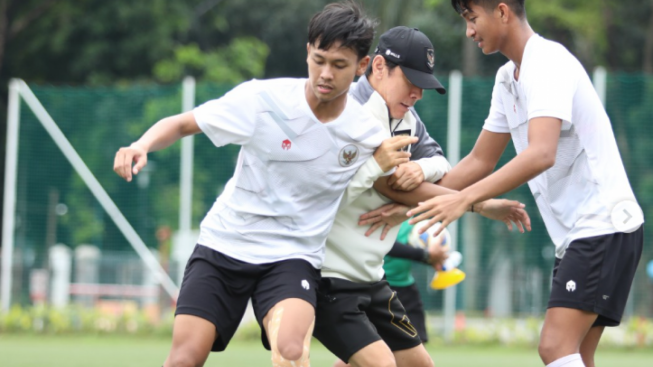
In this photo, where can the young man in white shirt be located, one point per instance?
(359, 317)
(545, 101)
(302, 142)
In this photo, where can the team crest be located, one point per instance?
(286, 144)
(430, 58)
(348, 155)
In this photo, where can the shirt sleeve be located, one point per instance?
(230, 119)
(550, 84)
(496, 121)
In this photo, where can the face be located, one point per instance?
(397, 91)
(331, 72)
(484, 27)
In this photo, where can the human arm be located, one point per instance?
(479, 163)
(385, 158)
(434, 255)
(161, 135)
(543, 135)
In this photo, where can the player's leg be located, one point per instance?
(563, 332)
(289, 327)
(416, 356)
(284, 303)
(589, 345)
(212, 300)
(192, 339)
(343, 327)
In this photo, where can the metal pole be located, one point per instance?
(453, 155)
(186, 179)
(9, 209)
(97, 190)
(600, 81)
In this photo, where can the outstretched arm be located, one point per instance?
(161, 135)
(543, 135)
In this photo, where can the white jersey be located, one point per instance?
(349, 253)
(291, 172)
(577, 194)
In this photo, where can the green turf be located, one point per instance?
(101, 351)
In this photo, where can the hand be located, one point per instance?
(507, 211)
(122, 164)
(389, 154)
(438, 253)
(387, 216)
(407, 177)
(443, 208)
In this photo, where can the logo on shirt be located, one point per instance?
(286, 144)
(348, 155)
(305, 284)
(571, 286)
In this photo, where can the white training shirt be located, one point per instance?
(577, 194)
(350, 254)
(291, 172)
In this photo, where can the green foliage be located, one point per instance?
(242, 59)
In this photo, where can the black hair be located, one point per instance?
(517, 6)
(342, 22)
(391, 65)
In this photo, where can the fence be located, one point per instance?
(60, 216)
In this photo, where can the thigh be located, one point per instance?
(294, 280)
(192, 340)
(341, 323)
(376, 354)
(389, 317)
(564, 330)
(413, 357)
(596, 274)
(216, 289)
(411, 299)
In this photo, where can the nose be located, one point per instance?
(417, 93)
(326, 73)
(470, 32)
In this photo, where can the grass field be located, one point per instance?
(131, 351)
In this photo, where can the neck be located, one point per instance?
(325, 111)
(516, 42)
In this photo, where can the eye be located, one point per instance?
(473, 20)
(338, 66)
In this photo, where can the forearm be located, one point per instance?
(467, 172)
(402, 251)
(524, 167)
(423, 192)
(167, 131)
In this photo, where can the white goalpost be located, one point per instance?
(19, 89)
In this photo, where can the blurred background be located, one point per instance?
(104, 71)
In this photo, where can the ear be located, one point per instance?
(377, 66)
(362, 65)
(504, 12)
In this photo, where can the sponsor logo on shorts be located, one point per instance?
(571, 286)
(305, 284)
(605, 297)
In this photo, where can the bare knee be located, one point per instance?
(291, 350)
(183, 360)
(549, 350)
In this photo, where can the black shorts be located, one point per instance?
(409, 297)
(596, 273)
(217, 288)
(350, 316)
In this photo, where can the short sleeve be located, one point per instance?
(496, 121)
(230, 119)
(550, 86)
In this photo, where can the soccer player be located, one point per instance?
(567, 152)
(358, 317)
(302, 142)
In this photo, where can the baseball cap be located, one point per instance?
(413, 52)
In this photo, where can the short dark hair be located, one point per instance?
(342, 22)
(517, 6)
(391, 65)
